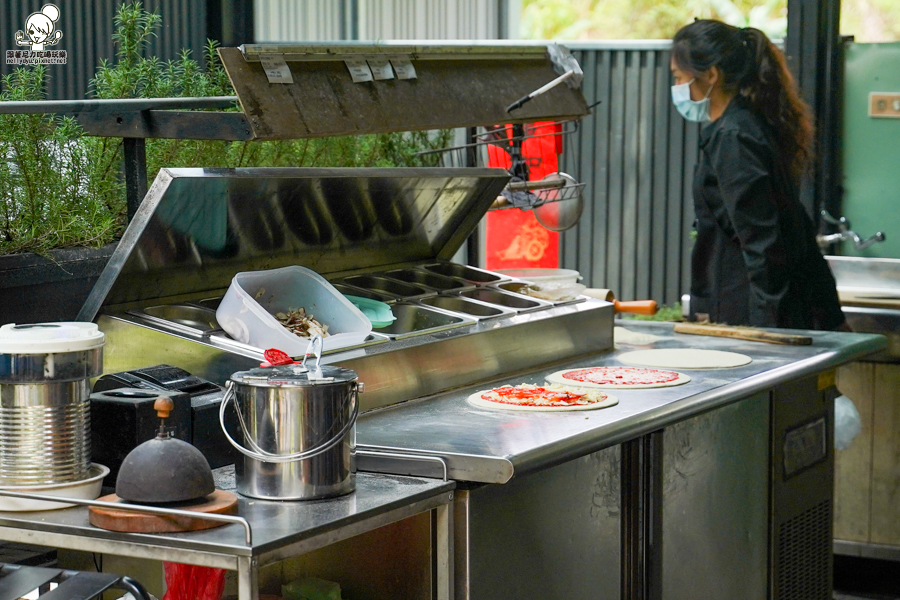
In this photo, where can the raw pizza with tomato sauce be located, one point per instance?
(610, 378)
(548, 398)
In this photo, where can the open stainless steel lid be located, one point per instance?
(196, 228)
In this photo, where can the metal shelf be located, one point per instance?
(280, 529)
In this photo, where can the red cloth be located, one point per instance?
(190, 582)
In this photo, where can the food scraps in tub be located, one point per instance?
(299, 323)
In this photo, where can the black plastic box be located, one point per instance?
(123, 418)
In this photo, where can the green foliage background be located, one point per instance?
(867, 20)
(59, 187)
(643, 19)
(56, 187)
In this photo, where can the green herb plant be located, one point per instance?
(60, 187)
(56, 189)
(664, 313)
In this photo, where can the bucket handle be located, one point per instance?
(310, 349)
(259, 454)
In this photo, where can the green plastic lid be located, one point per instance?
(377, 312)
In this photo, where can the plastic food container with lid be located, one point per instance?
(247, 312)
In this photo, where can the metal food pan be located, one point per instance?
(516, 302)
(440, 283)
(223, 340)
(469, 274)
(393, 287)
(468, 307)
(515, 286)
(180, 316)
(413, 320)
(349, 290)
(210, 303)
(371, 339)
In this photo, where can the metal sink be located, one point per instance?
(877, 320)
(870, 292)
(879, 275)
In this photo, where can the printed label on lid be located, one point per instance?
(359, 70)
(277, 70)
(403, 67)
(381, 68)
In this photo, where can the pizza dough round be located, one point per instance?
(627, 336)
(685, 358)
(476, 400)
(606, 372)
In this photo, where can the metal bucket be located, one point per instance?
(299, 429)
(45, 434)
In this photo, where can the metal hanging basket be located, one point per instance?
(557, 200)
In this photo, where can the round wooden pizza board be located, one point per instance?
(219, 502)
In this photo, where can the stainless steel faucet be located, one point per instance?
(844, 233)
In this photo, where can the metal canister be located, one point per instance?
(45, 371)
(299, 431)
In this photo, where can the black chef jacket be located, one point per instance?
(755, 260)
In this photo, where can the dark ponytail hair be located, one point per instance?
(754, 67)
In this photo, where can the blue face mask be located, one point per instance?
(692, 110)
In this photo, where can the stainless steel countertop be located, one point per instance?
(492, 446)
(378, 500)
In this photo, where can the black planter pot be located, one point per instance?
(35, 289)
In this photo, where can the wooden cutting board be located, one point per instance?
(219, 502)
(744, 333)
(885, 299)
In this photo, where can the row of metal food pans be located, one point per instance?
(424, 299)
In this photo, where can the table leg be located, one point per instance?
(641, 503)
(442, 551)
(248, 578)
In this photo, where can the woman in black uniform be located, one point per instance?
(755, 261)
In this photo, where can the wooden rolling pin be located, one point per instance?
(637, 307)
(744, 333)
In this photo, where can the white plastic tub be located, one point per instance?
(246, 312)
(544, 275)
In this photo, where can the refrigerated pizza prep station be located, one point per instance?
(718, 488)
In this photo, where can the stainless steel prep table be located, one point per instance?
(279, 529)
(719, 488)
(492, 446)
(726, 431)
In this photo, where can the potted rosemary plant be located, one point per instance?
(62, 193)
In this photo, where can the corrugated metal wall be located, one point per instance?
(301, 20)
(87, 27)
(320, 20)
(436, 19)
(636, 155)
